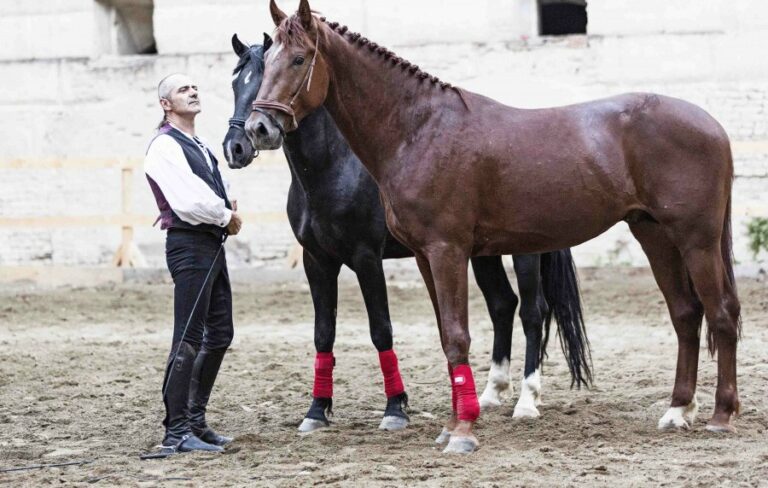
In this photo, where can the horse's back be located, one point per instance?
(632, 152)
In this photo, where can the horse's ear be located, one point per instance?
(267, 42)
(305, 14)
(238, 46)
(278, 16)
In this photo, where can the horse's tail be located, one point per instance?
(726, 248)
(561, 290)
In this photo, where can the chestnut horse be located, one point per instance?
(462, 175)
(336, 214)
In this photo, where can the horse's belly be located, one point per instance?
(546, 233)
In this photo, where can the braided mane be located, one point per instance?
(290, 30)
(386, 54)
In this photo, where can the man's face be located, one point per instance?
(183, 99)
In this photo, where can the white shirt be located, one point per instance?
(188, 195)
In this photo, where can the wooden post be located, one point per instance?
(128, 254)
(295, 256)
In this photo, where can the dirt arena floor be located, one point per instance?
(80, 374)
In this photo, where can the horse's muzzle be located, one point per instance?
(264, 132)
(238, 148)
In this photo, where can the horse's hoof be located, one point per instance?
(445, 436)
(393, 422)
(677, 418)
(525, 412)
(674, 420)
(311, 425)
(461, 445)
(724, 428)
(490, 400)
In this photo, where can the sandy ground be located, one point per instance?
(80, 374)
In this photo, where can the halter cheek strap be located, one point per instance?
(262, 105)
(238, 123)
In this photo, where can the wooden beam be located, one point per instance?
(118, 220)
(742, 148)
(265, 158)
(64, 163)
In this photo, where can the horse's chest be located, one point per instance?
(317, 232)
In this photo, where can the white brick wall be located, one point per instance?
(105, 107)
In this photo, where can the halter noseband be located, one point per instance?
(261, 105)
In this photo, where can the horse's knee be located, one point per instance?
(381, 336)
(457, 348)
(324, 340)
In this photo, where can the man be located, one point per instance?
(197, 212)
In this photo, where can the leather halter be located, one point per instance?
(261, 105)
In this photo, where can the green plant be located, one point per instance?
(757, 231)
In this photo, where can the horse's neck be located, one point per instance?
(310, 153)
(376, 106)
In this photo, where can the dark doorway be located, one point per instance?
(562, 17)
(125, 26)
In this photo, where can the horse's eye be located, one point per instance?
(299, 60)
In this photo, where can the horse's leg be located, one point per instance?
(449, 273)
(686, 313)
(501, 302)
(426, 274)
(527, 270)
(370, 275)
(322, 273)
(721, 308)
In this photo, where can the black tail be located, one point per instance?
(561, 290)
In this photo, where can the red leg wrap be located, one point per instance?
(324, 362)
(393, 383)
(453, 388)
(467, 406)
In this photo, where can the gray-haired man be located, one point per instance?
(197, 212)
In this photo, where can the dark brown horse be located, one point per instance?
(461, 175)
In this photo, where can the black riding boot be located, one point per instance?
(204, 375)
(178, 434)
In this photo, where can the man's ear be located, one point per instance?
(166, 104)
(267, 42)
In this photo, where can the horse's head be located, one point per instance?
(246, 81)
(295, 78)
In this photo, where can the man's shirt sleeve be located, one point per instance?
(189, 197)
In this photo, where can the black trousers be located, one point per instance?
(189, 255)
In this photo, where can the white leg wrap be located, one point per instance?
(498, 382)
(530, 396)
(680, 417)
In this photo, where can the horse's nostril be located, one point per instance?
(238, 149)
(262, 130)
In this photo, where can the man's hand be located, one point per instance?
(234, 225)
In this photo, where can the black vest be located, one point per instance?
(198, 165)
